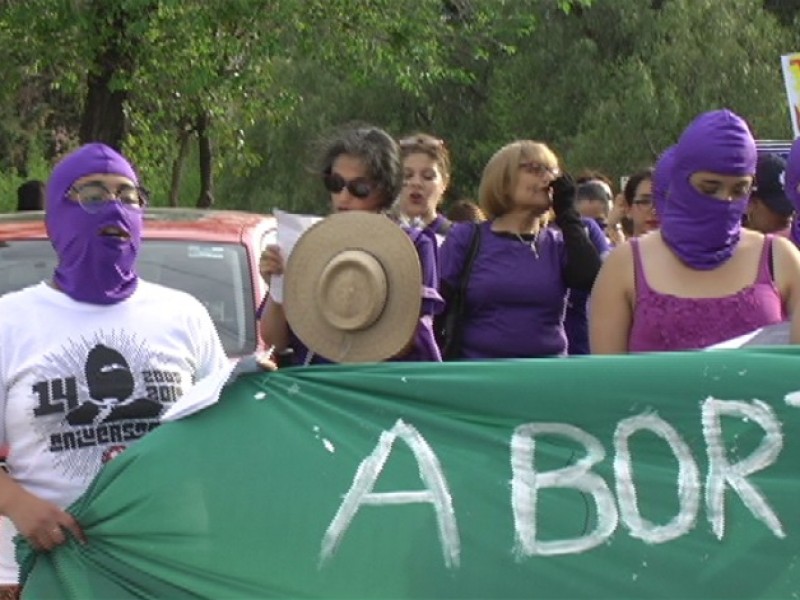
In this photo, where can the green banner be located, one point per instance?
(664, 475)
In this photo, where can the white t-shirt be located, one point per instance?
(80, 382)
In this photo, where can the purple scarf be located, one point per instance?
(701, 230)
(91, 267)
(661, 175)
(790, 186)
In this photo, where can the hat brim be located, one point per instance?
(394, 328)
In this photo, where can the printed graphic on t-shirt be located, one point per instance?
(98, 396)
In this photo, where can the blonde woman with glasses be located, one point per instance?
(508, 277)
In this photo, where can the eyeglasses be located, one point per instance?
(644, 201)
(94, 194)
(359, 187)
(537, 168)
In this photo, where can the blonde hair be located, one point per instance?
(500, 174)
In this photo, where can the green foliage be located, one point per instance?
(608, 84)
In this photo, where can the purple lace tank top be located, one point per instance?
(663, 322)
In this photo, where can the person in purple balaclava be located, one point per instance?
(90, 359)
(702, 278)
(96, 241)
(661, 175)
(792, 188)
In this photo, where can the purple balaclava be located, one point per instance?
(661, 174)
(790, 187)
(92, 267)
(701, 230)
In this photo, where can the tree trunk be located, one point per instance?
(177, 165)
(104, 119)
(206, 199)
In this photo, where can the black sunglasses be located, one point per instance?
(358, 187)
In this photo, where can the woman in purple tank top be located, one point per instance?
(702, 278)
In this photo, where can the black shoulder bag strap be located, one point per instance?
(455, 311)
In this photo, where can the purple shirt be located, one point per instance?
(515, 302)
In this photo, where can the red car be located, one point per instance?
(211, 254)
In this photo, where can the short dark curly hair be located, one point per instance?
(379, 151)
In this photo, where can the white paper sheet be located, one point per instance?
(204, 393)
(771, 335)
(290, 228)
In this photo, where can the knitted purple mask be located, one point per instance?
(790, 186)
(93, 268)
(701, 230)
(661, 174)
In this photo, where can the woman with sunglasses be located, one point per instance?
(701, 278)
(360, 168)
(514, 269)
(426, 174)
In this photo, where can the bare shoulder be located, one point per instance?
(786, 256)
(620, 257)
(751, 241)
(785, 246)
(617, 268)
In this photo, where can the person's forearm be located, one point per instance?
(582, 259)
(11, 493)
(274, 328)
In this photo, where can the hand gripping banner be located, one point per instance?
(663, 475)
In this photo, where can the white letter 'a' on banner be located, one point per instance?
(436, 494)
(688, 480)
(527, 481)
(720, 471)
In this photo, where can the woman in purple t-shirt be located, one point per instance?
(516, 287)
(702, 278)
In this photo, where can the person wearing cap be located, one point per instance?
(769, 210)
(91, 358)
(701, 278)
(342, 292)
(791, 188)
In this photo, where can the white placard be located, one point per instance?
(291, 227)
(791, 77)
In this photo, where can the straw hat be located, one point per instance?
(352, 288)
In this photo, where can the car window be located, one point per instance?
(216, 274)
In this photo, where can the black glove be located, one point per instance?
(583, 261)
(563, 194)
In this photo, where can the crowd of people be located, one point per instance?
(697, 249)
